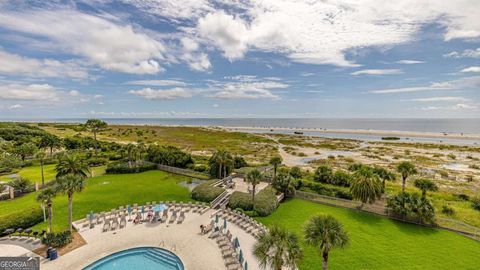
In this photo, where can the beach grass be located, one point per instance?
(379, 243)
(105, 192)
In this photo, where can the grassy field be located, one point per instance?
(107, 192)
(33, 173)
(196, 139)
(380, 243)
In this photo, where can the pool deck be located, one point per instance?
(196, 251)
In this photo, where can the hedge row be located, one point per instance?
(121, 168)
(265, 202)
(323, 189)
(205, 192)
(25, 219)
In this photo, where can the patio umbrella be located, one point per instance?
(236, 244)
(246, 266)
(143, 210)
(216, 218)
(90, 217)
(129, 210)
(225, 223)
(240, 256)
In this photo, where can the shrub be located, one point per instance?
(121, 168)
(341, 178)
(296, 172)
(239, 162)
(476, 203)
(169, 155)
(241, 200)
(411, 206)
(265, 202)
(24, 219)
(448, 210)
(201, 168)
(324, 189)
(463, 196)
(21, 185)
(96, 161)
(8, 163)
(205, 192)
(57, 239)
(323, 174)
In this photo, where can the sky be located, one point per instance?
(239, 58)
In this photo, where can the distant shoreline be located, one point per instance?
(366, 132)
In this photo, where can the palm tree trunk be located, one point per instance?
(253, 193)
(220, 170)
(51, 151)
(50, 212)
(43, 177)
(275, 172)
(95, 138)
(404, 181)
(70, 208)
(225, 170)
(325, 261)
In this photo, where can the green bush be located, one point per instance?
(322, 189)
(265, 202)
(96, 161)
(206, 193)
(169, 155)
(476, 203)
(57, 239)
(448, 210)
(241, 200)
(24, 219)
(121, 168)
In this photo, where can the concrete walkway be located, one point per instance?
(18, 246)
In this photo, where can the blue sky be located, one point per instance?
(271, 58)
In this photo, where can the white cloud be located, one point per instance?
(245, 87)
(321, 32)
(15, 107)
(32, 92)
(410, 62)
(169, 94)
(447, 99)
(469, 53)
(377, 72)
(215, 105)
(18, 65)
(462, 83)
(471, 69)
(307, 74)
(101, 41)
(157, 83)
(433, 86)
(456, 107)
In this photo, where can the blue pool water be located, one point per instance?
(144, 258)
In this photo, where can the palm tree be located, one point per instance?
(95, 125)
(385, 175)
(365, 186)
(46, 198)
(49, 141)
(277, 248)
(275, 162)
(70, 184)
(222, 161)
(425, 185)
(71, 164)
(406, 169)
(131, 153)
(254, 177)
(41, 157)
(325, 232)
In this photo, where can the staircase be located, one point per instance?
(221, 200)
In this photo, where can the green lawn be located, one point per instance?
(107, 192)
(380, 243)
(33, 173)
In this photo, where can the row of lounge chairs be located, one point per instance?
(245, 222)
(122, 211)
(111, 224)
(227, 248)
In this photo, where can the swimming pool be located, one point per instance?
(144, 258)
